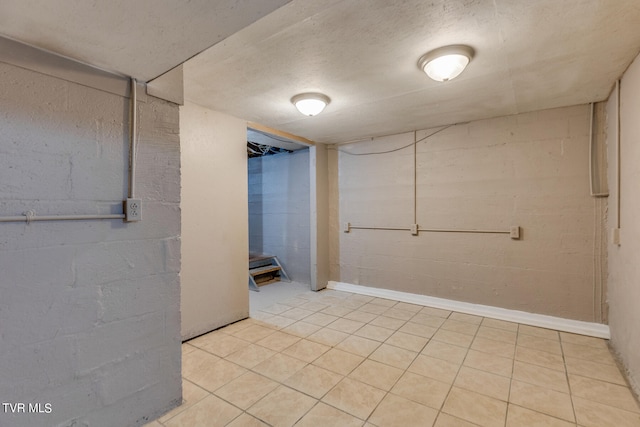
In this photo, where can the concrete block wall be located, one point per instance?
(89, 310)
(279, 210)
(529, 170)
(624, 200)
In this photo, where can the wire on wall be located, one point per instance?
(415, 229)
(414, 143)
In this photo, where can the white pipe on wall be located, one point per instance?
(415, 177)
(33, 217)
(592, 151)
(618, 153)
(591, 177)
(30, 216)
(415, 229)
(446, 230)
(431, 230)
(133, 147)
(356, 227)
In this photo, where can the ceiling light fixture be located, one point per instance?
(310, 103)
(447, 62)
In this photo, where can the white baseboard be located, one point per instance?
(550, 322)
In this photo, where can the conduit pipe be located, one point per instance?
(133, 138)
(415, 177)
(597, 243)
(31, 216)
(618, 153)
(430, 230)
(592, 151)
(514, 232)
(356, 227)
(444, 230)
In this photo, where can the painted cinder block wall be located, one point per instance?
(279, 210)
(624, 259)
(529, 170)
(89, 310)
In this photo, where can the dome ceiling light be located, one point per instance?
(447, 62)
(311, 103)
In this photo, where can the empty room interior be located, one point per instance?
(337, 213)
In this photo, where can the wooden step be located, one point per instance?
(264, 270)
(265, 280)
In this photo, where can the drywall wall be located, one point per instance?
(319, 197)
(624, 269)
(335, 229)
(89, 310)
(215, 243)
(528, 170)
(279, 210)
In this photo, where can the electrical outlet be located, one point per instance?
(346, 227)
(514, 232)
(414, 229)
(133, 210)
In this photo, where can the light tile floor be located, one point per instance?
(330, 358)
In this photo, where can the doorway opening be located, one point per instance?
(279, 219)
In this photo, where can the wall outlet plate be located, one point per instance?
(347, 227)
(514, 232)
(414, 229)
(133, 210)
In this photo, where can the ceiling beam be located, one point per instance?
(272, 131)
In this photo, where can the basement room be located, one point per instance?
(339, 213)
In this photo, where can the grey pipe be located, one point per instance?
(30, 218)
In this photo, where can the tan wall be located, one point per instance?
(215, 242)
(529, 170)
(624, 260)
(319, 183)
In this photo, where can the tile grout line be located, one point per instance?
(513, 363)
(393, 330)
(566, 373)
(318, 400)
(444, 401)
(396, 381)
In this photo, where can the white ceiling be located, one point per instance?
(530, 54)
(138, 38)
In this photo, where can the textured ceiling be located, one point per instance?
(530, 54)
(138, 38)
